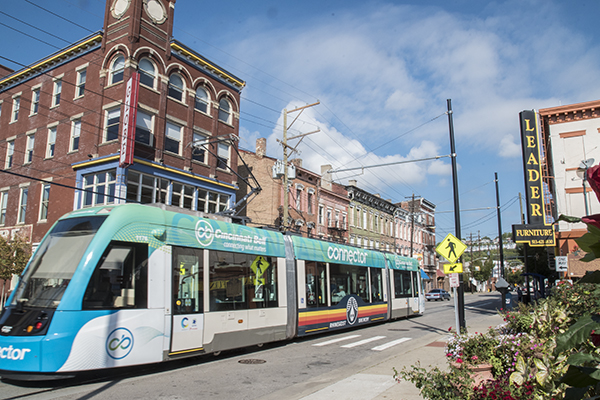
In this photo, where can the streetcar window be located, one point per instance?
(242, 281)
(376, 285)
(415, 283)
(402, 284)
(55, 262)
(188, 280)
(120, 279)
(316, 289)
(348, 279)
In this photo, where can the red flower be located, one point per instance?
(595, 339)
(593, 178)
(459, 360)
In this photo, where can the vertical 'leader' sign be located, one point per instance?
(532, 167)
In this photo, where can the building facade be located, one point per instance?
(65, 122)
(571, 137)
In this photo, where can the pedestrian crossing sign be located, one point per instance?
(451, 248)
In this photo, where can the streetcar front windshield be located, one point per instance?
(54, 264)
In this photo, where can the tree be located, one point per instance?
(14, 255)
(483, 272)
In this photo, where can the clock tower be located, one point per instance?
(139, 23)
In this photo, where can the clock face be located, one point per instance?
(119, 7)
(156, 11)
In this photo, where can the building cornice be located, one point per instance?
(571, 112)
(75, 50)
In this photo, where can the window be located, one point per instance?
(175, 87)
(56, 93)
(316, 281)
(121, 278)
(402, 284)
(3, 206)
(376, 285)
(199, 152)
(99, 188)
(223, 156)
(173, 138)
(44, 201)
(35, 101)
(348, 279)
(201, 102)
(113, 119)
(298, 198)
(224, 111)
(16, 106)
(22, 205)
(320, 216)
(310, 201)
(143, 128)
(10, 153)
(241, 281)
(188, 280)
(329, 219)
(182, 195)
(75, 133)
(29, 149)
(147, 72)
(51, 142)
(117, 69)
(80, 88)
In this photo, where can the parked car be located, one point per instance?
(437, 294)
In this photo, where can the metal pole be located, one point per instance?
(285, 173)
(587, 211)
(460, 292)
(501, 246)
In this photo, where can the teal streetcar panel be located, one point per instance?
(402, 263)
(316, 250)
(190, 231)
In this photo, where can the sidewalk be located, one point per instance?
(375, 381)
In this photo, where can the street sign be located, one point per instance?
(456, 268)
(451, 248)
(454, 281)
(562, 263)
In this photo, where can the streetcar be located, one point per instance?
(132, 284)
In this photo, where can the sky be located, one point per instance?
(382, 72)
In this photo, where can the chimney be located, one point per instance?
(326, 176)
(352, 182)
(261, 147)
(297, 162)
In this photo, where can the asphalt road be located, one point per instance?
(255, 372)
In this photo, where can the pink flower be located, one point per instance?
(474, 358)
(593, 178)
(593, 220)
(459, 360)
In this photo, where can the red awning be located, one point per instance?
(439, 274)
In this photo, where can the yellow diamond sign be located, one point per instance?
(451, 248)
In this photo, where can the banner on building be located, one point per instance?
(129, 120)
(536, 232)
(534, 235)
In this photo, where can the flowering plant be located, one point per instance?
(472, 349)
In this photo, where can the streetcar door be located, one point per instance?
(188, 300)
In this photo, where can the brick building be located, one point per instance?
(63, 121)
(266, 209)
(332, 221)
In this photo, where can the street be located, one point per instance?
(276, 370)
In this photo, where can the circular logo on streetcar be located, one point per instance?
(119, 343)
(204, 233)
(351, 310)
(185, 322)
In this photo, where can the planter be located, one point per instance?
(479, 373)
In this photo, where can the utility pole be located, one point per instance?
(412, 223)
(286, 189)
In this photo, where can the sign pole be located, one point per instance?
(462, 325)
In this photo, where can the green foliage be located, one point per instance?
(436, 384)
(13, 256)
(472, 349)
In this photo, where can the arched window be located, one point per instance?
(201, 100)
(176, 87)
(116, 70)
(224, 111)
(147, 72)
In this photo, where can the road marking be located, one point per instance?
(361, 342)
(390, 344)
(336, 340)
